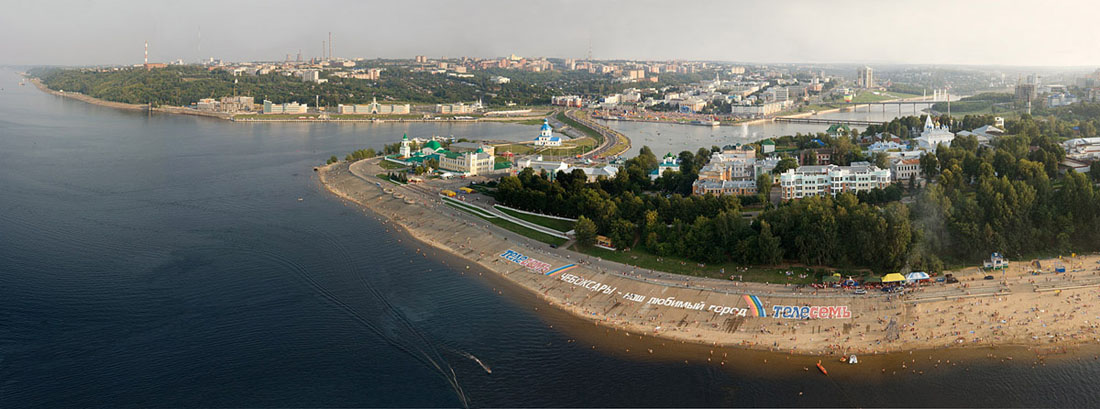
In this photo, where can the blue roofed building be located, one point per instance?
(668, 163)
(546, 136)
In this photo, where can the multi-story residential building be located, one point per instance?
(902, 169)
(732, 172)
(865, 78)
(765, 109)
(777, 94)
(287, 108)
(459, 108)
(567, 100)
(237, 104)
(207, 104)
(311, 76)
(368, 74)
(725, 187)
(809, 181)
(821, 156)
(374, 108)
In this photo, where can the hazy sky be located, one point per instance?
(1047, 33)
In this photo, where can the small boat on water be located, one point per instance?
(409, 201)
(852, 360)
(387, 190)
(398, 196)
(822, 368)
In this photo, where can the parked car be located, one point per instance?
(859, 292)
(989, 277)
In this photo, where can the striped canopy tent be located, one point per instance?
(893, 278)
(916, 276)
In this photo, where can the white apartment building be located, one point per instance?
(287, 108)
(311, 76)
(764, 109)
(459, 108)
(374, 108)
(809, 181)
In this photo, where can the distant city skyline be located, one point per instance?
(1016, 33)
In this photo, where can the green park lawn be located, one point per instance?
(512, 227)
(559, 225)
(645, 260)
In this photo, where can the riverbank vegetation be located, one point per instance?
(986, 102)
(182, 85)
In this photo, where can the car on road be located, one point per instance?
(859, 292)
(989, 277)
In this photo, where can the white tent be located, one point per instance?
(916, 276)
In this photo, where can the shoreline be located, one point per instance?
(722, 316)
(231, 117)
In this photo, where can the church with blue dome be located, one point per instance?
(546, 136)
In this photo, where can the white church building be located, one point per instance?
(546, 136)
(934, 135)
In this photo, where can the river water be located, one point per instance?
(168, 261)
(663, 137)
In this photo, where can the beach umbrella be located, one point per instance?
(893, 278)
(916, 276)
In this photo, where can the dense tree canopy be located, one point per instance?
(185, 84)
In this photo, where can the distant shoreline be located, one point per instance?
(230, 117)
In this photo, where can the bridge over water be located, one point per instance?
(818, 120)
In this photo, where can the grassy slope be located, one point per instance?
(515, 228)
(559, 225)
(645, 260)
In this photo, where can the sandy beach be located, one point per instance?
(1045, 313)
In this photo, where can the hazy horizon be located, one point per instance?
(980, 33)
